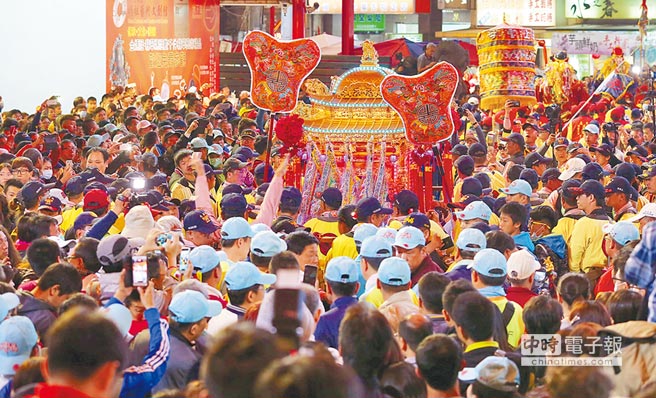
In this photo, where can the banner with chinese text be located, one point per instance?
(516, 12)
(169, 45)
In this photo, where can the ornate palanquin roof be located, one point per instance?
(352, 108)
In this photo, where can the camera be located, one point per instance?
(553, 113)
(138, 183)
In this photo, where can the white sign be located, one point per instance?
(601, 43)
(516, 12)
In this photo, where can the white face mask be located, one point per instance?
(46, 174)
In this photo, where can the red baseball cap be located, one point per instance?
(95, 199)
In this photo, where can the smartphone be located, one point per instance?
(52, 102)
(196, 155)
(203, 122)
(515, 104)
(125, 147)
(163, 238)
(184, 259)
(139, 271)
(50, 142)
(310, 274)
(286, 304)
(69, 163)
(202, 125)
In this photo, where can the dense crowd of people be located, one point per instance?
(148, 248)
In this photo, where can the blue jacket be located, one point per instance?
(139, 380)
(523, 240)
(327, 330)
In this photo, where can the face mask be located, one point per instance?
(215, 163)
(46, 174)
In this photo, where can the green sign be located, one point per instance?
(369, 23)
(605, 9)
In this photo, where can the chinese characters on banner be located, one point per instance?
(606, 9)
(163, 44)
(369, 7)
(517, 12)
(601, 43)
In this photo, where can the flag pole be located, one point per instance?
(597, 91)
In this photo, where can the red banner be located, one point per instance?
(169, 45)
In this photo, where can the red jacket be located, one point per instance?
(520, 295)
(44, 390)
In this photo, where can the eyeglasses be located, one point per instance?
(537, 224)
(20, 171)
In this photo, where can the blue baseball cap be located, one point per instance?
(235, 228)
(376, 247)
(17, 339)
(530, 176)
(51, 203)
(75, 186)
(94, 175)
(477, 209)
(342, 269)
(243, 275)
(518, 186)
(191, 306)
(417, 220)
(622, 232)
(387, 233)
(471, 186)
(234, 205)
(459, 149)
(593, 171)
(267, 244)
(235, 188)
(409, 237)
(472, 240)
(550, 174)
(477, 150)
(83, 220)
(121, 316)
(8, 301)
(489, 262)
(259, 227)
(369, 206)
(247, 152)
(332, 197)
(406, 200)
(363, 231)
(394, 271)
(259, 171)
(291, 197)
(618, 185)
(465, 164)
(204, 258)
(199, 220)
(156, 181)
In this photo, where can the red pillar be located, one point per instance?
(348, 15)
(298, 19)
(272, 20)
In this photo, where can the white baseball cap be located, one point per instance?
(522, 264)
(573, 166)
(648, 210)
